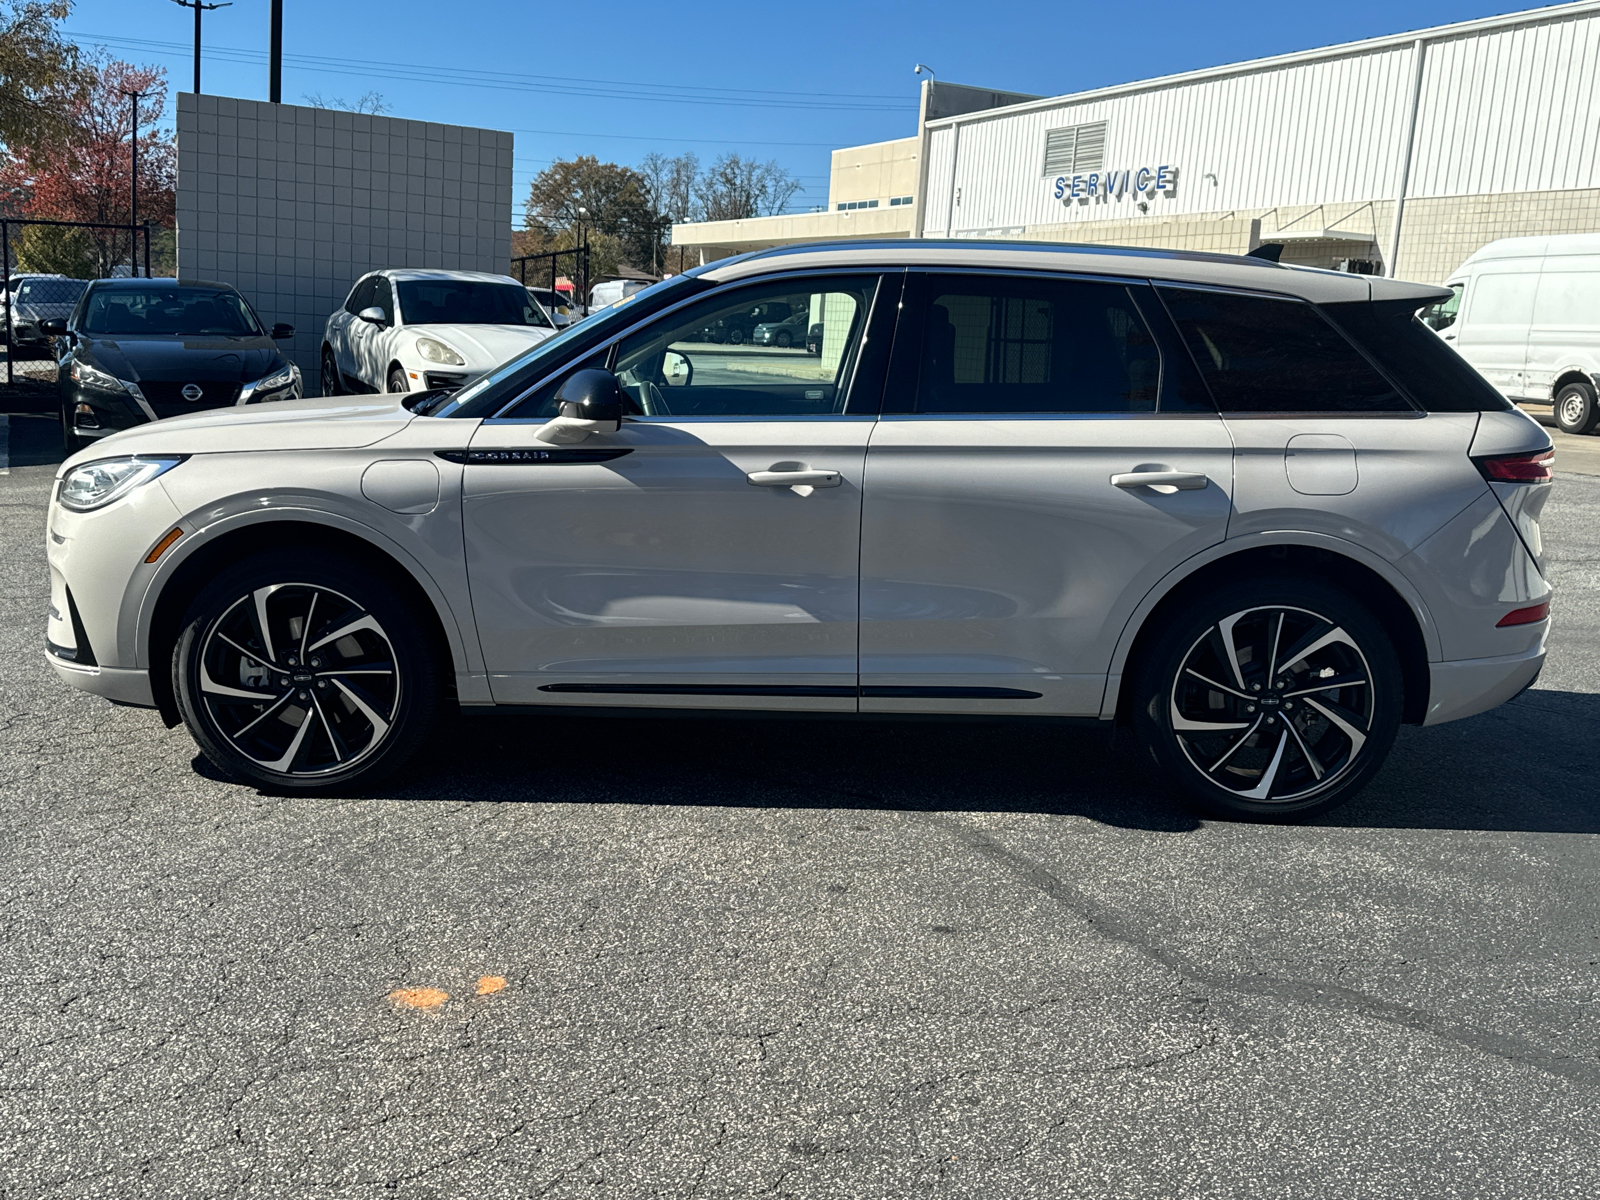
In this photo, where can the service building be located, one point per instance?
(1397, 155)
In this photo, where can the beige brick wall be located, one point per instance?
(878, 171)
(1439, 233)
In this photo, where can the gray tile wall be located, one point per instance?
(291, 205)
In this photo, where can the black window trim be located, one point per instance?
(609, 347)
(1414, 410)
(906, 358)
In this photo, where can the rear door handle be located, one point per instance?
(1184, 481)
(807, 478)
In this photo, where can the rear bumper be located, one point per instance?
(1470, 686)
(116, 684)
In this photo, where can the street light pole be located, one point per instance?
(583, 263)
(275, 55)
(199, 7)
(133, 221)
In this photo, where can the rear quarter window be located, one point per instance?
(1435, 377)
(1271, 354)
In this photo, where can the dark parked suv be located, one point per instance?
(138, 350)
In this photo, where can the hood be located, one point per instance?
(483, 346)
(327, 423)
(183, 360)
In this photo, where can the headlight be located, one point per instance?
(286, 377)
(278, 379)
(96, 484)
(438, 352)
(96, 378)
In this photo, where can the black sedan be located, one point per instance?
(138, 350)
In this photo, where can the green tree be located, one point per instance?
(40, 76)
(54, 250)
(618, 223)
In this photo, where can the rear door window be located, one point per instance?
(1021, 345)
(1270, 354)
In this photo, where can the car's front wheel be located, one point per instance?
(1270, 698)
(1575, 408)
(304, 672)
(71, 443)
(397, 380)
(331, 383)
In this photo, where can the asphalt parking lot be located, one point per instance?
(814, 959)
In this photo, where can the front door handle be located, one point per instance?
(805, 478)
(1183, 481)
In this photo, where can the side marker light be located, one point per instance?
(163, 545)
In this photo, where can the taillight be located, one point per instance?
(1524, 616)
(1532, 467)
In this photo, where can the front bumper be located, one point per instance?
(119, 685)
(1469, 686)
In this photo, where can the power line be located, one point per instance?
(550, 84)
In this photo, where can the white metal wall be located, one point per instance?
(1502, 110)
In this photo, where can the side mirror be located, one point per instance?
(676, 369)
(53, 327)
(282, 332)
(374, 314)
(589, 401)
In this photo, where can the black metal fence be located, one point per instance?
(580, 271)
(32, 297)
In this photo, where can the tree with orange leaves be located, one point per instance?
(87, 174)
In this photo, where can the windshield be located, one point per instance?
(171, 311)
(490, 393)
(468, 302)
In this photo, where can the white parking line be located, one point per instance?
(5, 444)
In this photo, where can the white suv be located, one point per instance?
(412, 331)
(1258, 513)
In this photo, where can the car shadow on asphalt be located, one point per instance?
(1527, 766)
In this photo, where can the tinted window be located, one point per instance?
(1263, 354)
(467, 302)
(702, 361)
(383, 297)
(168, 311)
(360, 296)
(1018, 345)
(1432, 373)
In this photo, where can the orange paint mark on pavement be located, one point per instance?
(488, 985)
(427, 999)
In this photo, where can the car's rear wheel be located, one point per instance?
(1575, 408)
(332, 385)
(736, 336)
(302, 672)
(397, 380)
(1270, 698)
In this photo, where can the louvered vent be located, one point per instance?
(1075, 149)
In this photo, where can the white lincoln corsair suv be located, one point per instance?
(1258, 513)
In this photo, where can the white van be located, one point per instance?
(613, 291)
(1526, 313)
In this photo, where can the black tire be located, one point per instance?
(71, 443)
(736, 336)
(331, 384)
(325, 722)
(784, 340)
(1278, 752)
(1575, 408)
(397, 380)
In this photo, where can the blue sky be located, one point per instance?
(774, 80)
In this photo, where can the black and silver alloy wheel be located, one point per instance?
(299, 672)
(1269, 698)
(1273, 703)
(300, 679)
(331, 384)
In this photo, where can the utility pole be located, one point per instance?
(199, 7)
(133, 221)
(275, 55)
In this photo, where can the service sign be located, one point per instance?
(1102, 186)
